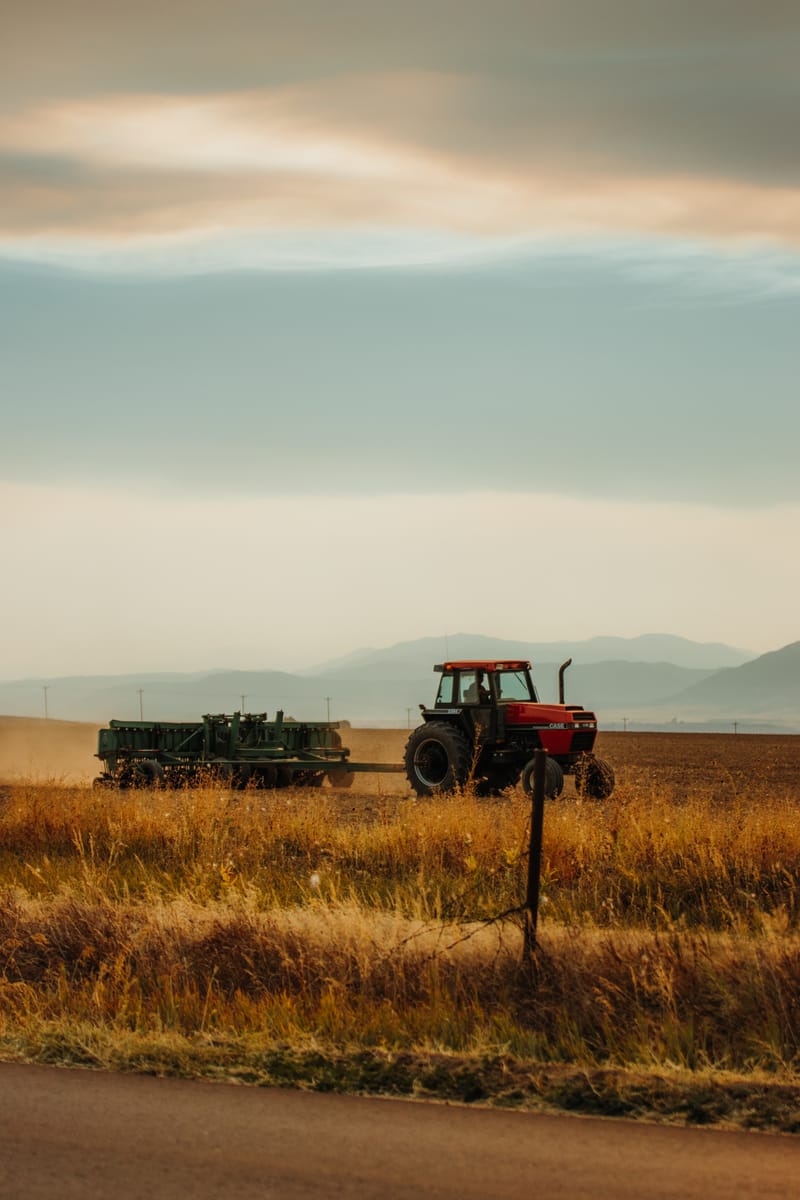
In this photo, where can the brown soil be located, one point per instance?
(684, 763)
(725, 764)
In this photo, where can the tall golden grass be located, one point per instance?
(352, 976)
(668, 934)
(639, 859)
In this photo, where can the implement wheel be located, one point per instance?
(341, 779)
(309, 779)
(437, 758)
(104, 782)
(142, 773)
(235, 775)
(594, 778)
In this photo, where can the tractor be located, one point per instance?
(485, 725)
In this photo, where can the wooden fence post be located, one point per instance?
(535, 852)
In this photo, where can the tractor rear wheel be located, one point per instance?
(553, 778)
(437, 758)
(594, 778)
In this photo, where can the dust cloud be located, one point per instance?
(379, 746)
(39, 750)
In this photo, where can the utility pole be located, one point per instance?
(327, 700)
(46, 689)
(140, 693)
(624, 724)
(408, 714)
(243, 698)
(735, 727)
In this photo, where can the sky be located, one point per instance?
(324, 326)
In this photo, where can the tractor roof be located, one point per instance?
(484, 664)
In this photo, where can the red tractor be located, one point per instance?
(486, 723)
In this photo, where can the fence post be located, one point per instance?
(535, 851)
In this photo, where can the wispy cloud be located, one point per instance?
(132, 166)
(214, 134)
(713, 271)
(491, 120)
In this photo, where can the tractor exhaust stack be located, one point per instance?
(561, 671)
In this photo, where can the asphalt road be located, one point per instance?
(67, 1133)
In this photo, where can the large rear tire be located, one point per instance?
(437, 758)
(594, 778)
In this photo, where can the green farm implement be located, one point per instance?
(240, 749)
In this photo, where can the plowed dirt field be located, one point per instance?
(726, 765)
(686, 763)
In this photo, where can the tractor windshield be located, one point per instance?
(514, 685)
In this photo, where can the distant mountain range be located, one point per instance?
(415, 658)
(650, 682)
(767, 686)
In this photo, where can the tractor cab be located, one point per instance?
(484, 683)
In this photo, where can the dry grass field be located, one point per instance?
(352, 941)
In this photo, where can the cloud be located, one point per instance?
(514, 117)
(175, 134)
(131, 166)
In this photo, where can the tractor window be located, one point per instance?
(514, 685)
(445, 695)
(474, 687)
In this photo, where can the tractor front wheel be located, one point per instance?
(437, 758)
(594, 778)
(553, 778)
